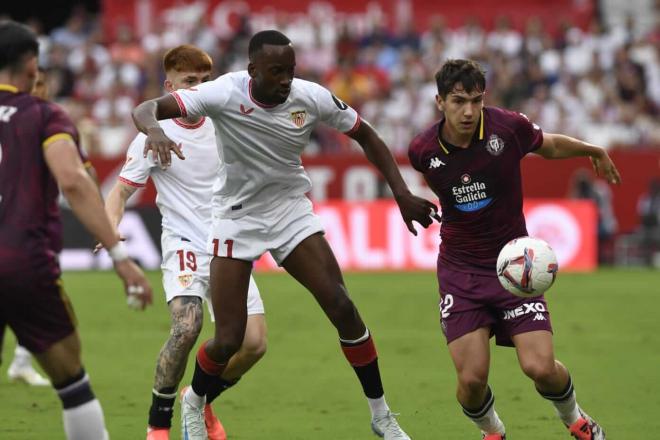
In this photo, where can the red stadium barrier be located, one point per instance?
(351, 177)
(372, 235)
(364, 236)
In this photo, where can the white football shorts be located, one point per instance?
(186, 273)
(277, 229)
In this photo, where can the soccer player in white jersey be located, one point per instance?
(184, 198)
(263, 118)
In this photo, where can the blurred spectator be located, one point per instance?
(649, 215)
(73, 33)
(586, 186)
(601, 84)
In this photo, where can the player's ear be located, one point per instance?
(252, 70)
(169, 87)
(439, 102)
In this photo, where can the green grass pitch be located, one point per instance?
(607, 329)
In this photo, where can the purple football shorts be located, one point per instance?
(37, 310)
(470, 301)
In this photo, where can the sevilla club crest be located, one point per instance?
(185, 280)
(299, 117)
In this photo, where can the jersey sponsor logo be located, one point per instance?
(495, 145)
(298, 117)
(6, 112)
(539, 317)
(339, 103)
(535, 308)
(246, 111)
(436, 163)
(470, 196)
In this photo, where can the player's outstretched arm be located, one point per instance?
(412, 207)
(146, 117)
(115, 205)
(78, 187)
(559, 146)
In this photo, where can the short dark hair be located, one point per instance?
(466, 72)
(16, 41)
(262, 38)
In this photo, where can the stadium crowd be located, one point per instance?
(602, 85)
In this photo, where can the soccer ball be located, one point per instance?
(527, 267)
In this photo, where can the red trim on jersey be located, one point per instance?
(257, 102)
(208, 365)
(180, 123)
(360, 355)
(131, 183)
(182, 106)
(355, 127)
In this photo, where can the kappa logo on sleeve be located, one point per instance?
(436, 163)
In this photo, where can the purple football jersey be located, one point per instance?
(479, 187)
(30, 225)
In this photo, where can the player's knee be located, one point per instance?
(341, 308)
(186, 332)
(254, 348)
(539, 370)
(473, 382)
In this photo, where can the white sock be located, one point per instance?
(565, 404)
(567, 409)
(85, 422)
(194, 399)
(486, 417)
(378, 406)
(22, 357)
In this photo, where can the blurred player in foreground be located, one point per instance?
(38, 153)
(264, 117)
(185, 193)
(471, 160)
(21, 369)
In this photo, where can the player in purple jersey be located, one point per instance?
(21, 369)
(38, 154)
(471, 160)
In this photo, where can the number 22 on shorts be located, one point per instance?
(445, 305)
(216, 247)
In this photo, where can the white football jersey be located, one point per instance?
(262, 144)
(185, 189)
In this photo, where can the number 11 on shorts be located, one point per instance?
(216, 247)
